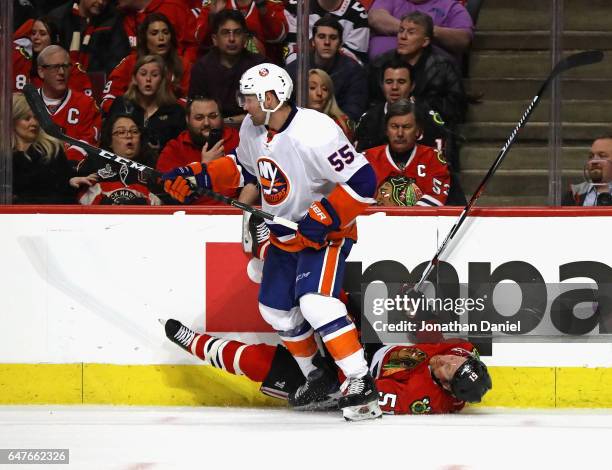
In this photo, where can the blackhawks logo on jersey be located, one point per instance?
(275, 185)
(420, 407)
(403, 359)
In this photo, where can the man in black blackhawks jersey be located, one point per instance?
(350, 13)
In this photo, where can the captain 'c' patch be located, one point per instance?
(275, 185)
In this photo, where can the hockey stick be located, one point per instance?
(570, 62)
(39, 109)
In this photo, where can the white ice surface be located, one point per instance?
(238, 438)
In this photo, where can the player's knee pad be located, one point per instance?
(281, 320)
(319, 309)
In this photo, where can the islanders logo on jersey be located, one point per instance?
(275, 185)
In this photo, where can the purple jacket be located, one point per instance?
(446, 13)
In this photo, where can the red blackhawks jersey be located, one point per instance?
(405, 383)
(115, 186)
(120, 78)
(78, 116)
(22, 70)
(425, 165)
(180, 16)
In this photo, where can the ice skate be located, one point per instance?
(320, 392)
(178, 333)
(359, 399)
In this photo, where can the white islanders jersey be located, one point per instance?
(300, 164)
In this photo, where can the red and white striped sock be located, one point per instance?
(251, 360)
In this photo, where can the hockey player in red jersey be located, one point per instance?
(423, 166)
(76, 113)
(422, 378)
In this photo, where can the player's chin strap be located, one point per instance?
(269, 111)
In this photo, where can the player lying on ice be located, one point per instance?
(311, 174)
(411, 379)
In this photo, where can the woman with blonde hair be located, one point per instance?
(41, 171)
(151, 103)
(321, 97)
(156, 35)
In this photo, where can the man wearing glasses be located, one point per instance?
(218, 73)
(265, 19)
(595, 191)
(75, 112)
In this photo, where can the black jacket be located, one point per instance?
(371, 129)
(39, 182)
(108, 43)
(437, 83)
(211, 78)
(350, 84)
(166, 124)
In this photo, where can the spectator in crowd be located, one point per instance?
(75, 112)
(265, 20)
(437, 83)
(41, 172)
(25, 11)
(218, 73)
(424, 177)
(349, 77)
(321, 97)
(115, 184)
(197, 143)
(396, 85)
(155, 36)
(43, 33)
(151, 103)
(595, 191)
(178, 14)
(92, 33)
(350, 13)
(453, 27)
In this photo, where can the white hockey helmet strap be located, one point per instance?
(267, 77)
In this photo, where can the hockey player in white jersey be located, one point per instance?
(309, 173)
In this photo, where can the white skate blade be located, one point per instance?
(362, 412)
